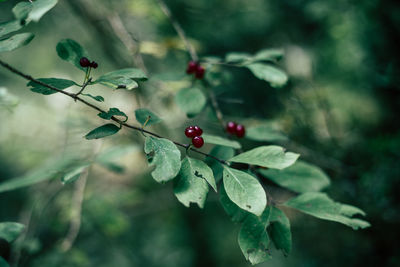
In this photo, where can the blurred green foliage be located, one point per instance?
(340, 111)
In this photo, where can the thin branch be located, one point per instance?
(122, 123)
(83, 87)
(178, 29)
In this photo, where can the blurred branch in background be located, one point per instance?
(131, 43)
(179, 30)
(76, 210)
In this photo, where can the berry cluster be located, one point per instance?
(233, 128)
(195, 133)
(85, 62)
(196, 68)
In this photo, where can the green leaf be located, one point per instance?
(191, 183)
(118, 83)
(102, 131)
(112, 112)
(267, 156)
(163, 154)
(98, 98)
(253, 238)
(237, 57)
(45, 172)
(271, 54)
(22, 10)
(301, 177)
(244, 190)
(321, 206)
(144, 115)
(71, 51)
(274, 76)
(55, 82)
(122, 79)
(10, 230)
(191, 101)
(3, 262)
(279, 230)
(39, 8)
(204, 171)
(33, 11)
(265, 132)
(74, 174)
(348, 210)
(221, 152)
(217, 140)
(130, 73)
(15, 41)
(234, 212)
(9, 27)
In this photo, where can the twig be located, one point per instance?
(83, 87)
(178, 29)
(122, 123)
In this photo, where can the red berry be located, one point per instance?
(191, 68)
(94, 65)
(198, 130)
(200, 72)
(190, 132)
(231, 127)
(240, 130)
(84, 62)
(198, 141)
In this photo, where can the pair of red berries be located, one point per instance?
(195, 133)
(85, 62)
(233, 128)
(196, 68)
